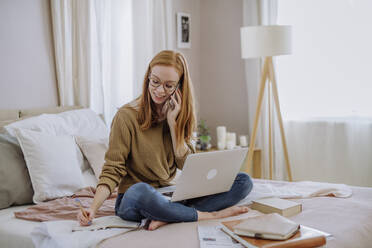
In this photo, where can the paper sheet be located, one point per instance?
(213, 237)
(59, 234)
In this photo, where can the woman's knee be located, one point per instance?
(138, 194)
(245, 183)
(128, 206)
(138, 188)
(137, 191)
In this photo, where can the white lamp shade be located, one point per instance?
(263, 41)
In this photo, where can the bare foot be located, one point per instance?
(154, 224)
(231, 211)
(227, 212)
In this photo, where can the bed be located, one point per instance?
(349, 220)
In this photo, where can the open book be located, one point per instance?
(107, 222)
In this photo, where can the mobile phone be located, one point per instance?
(170, 103)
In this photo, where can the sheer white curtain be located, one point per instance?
(153, 26)
(93, 52)
(331, 149)
(325, 89)
(262, 12)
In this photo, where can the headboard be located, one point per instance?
(10, 115)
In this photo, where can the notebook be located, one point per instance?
(268, 226)
(107, 222)
(283, 207)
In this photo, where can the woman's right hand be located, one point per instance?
(86, 220)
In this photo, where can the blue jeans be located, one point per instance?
(142, 201)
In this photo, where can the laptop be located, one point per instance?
(206, 173)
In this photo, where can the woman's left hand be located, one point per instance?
(173, 113)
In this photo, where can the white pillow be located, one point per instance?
(89, 179)
(94, 150)
(44, 123)
(52, 162)
(83, 122)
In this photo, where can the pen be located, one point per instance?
(82, 209)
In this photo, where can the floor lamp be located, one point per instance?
(267, 41)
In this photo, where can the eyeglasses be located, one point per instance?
(167, 86)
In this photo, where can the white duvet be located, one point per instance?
(293, 190)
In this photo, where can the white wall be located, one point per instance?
(27, 66)
(143, 34)
(27, 71)
(223, 93)
(192, 55)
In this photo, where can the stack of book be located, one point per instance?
(274, 231)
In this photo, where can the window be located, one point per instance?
(328, 73)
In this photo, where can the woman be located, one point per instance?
(150, 139)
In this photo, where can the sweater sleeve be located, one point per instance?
(117, 154)
(181, 161)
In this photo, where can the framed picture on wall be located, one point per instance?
(183, 30)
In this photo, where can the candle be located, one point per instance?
(243, 140)
(233, 138)
(228, 136)
(221, 137)
(221, 145)
(230, 145)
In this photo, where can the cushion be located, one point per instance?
(84, 122)
(94, 150)
(52, 162)
(89, 179)
(15, 186)
(38, 123)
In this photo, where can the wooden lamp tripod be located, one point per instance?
(267, 41)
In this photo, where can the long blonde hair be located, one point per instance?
(186, 119)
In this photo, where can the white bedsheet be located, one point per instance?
(16, 233)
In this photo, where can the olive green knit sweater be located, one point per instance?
(138, 156)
